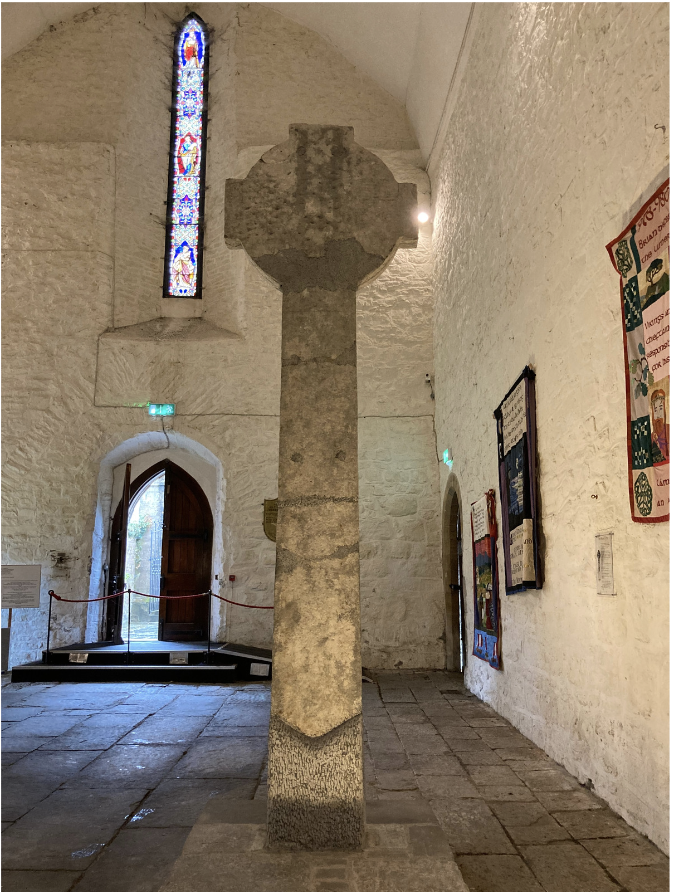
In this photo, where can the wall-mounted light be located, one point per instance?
(423, 217)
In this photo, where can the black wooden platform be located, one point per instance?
(150, 661)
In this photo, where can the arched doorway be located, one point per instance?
(169, 540)
(456, 654)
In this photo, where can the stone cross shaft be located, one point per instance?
(320, 215)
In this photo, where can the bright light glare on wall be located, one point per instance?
(423, 217)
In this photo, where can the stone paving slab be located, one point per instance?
(471, 827)
(629, 851)
(39, 880)
(130, 765)
(490, 800)
(20, 795)
(563, 866)
(68, 829)
(443, 765)
(44, 766)
(167, 729)
(497, 873)
(592, 824)
(178, 802)
(137, 860)
(232, 858)
(643, 879)
(210, 757)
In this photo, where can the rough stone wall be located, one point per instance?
(402, 597)
(552, 141)
(287, 74)
(86, 110)
(57, 297)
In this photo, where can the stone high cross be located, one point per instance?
(320, 215)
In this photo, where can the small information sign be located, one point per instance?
(605, 581)
(21, 585)
(161, 409)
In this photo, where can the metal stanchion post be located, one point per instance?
(49, 623)
(128, 621)
(209, 629)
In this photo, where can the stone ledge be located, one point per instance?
(165, 328)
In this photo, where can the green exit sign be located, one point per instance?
(448, 461)
(161, 409)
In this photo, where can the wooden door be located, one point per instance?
(118, 548)
(186, 558)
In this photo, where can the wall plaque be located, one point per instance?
(605, 580)
(21, 585)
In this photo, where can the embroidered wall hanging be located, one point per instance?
(517, 466)
(641, 257)
(485, 564)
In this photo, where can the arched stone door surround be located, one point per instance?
(146, 449)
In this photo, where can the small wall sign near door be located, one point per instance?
(270, 519)
(605, 581)
(21, 585)
(20, 588)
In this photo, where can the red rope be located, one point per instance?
(237, 603)
(52, 594)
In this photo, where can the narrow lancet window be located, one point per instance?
(185, 213)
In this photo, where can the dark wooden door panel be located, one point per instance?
(186, 558)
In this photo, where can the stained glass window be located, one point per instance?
(183, 256)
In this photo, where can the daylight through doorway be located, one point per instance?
(143, 564)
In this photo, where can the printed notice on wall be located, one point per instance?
(605, 581)
(21, 585)
(641, 257)
(479, 520)
(516, 460)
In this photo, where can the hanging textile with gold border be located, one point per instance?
(641, 257)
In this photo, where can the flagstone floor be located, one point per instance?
(121, 787)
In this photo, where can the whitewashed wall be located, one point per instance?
(89, 338)
(551, 142)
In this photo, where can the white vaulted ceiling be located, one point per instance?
(409, 49)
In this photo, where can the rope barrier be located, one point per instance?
(237, 603)
(125, 591)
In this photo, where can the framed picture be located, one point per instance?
(517, 466)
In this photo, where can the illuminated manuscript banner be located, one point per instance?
(517, 468)
(641, 257)
(485, 564)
